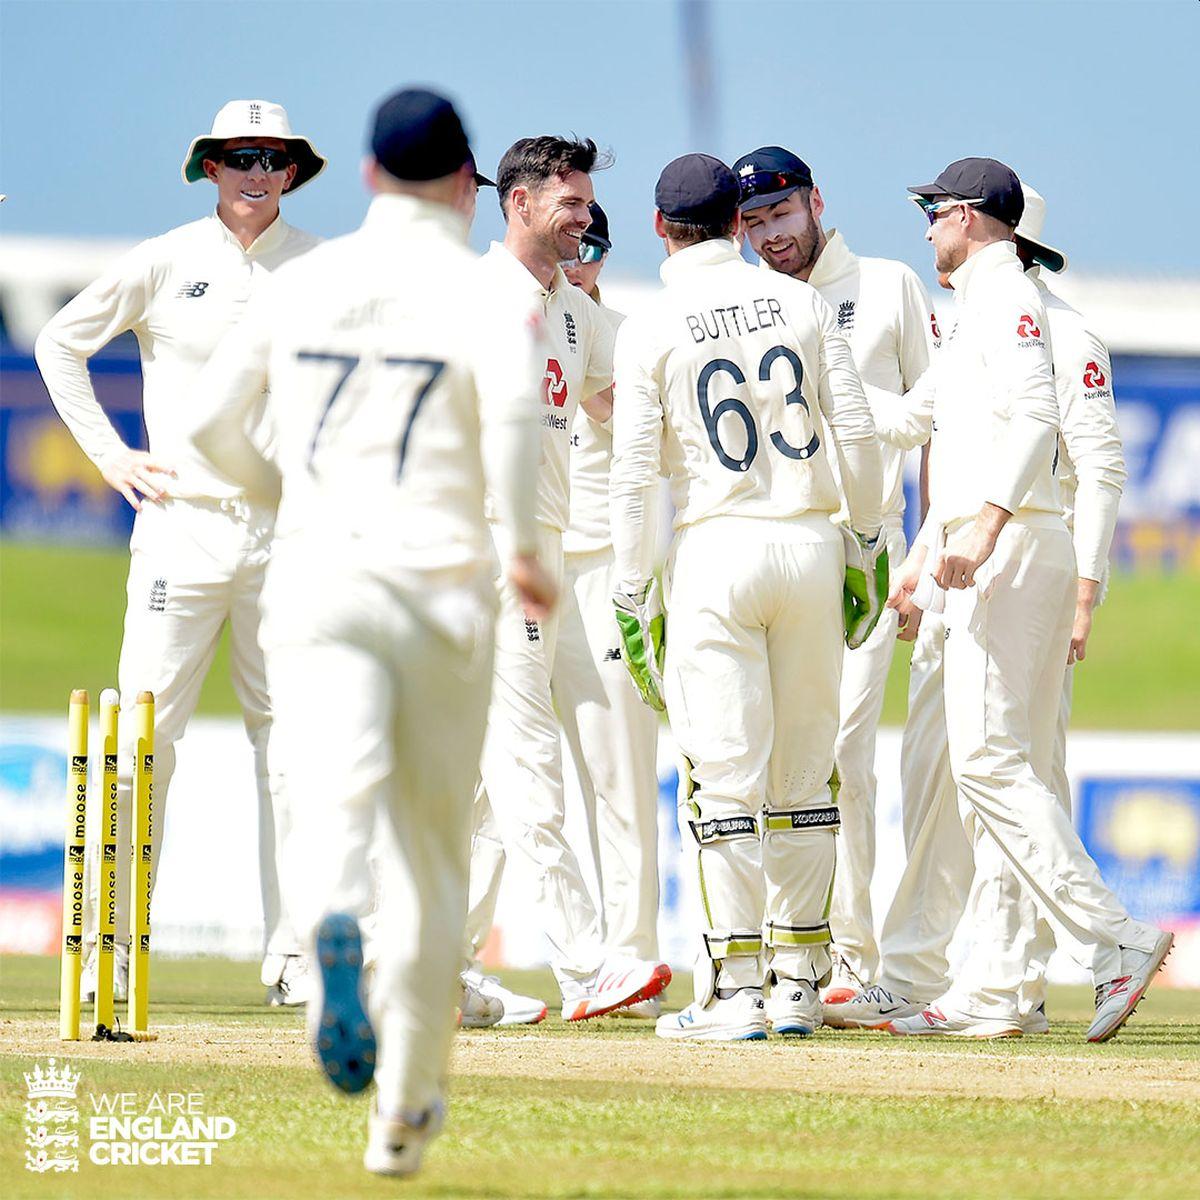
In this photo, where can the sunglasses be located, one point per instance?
(767, 183)
(245, 158)
(588, 253)
(941, 207)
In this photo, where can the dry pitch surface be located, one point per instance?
(606, 1109)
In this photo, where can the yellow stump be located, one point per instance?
(76, 845)
(107, 922)
(141, 874)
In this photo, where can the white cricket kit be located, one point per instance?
(387, 375)
(612, 735)
(197, 559)
(519, 809)
(995, 420)
(884, 313)
(732, 381)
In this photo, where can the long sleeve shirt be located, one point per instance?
(733, 382)
(179, 293)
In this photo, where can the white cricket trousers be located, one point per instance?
(753, 663)
(613, 737)
(864, 678)
(380, 720)
(194, 565)
(519, 803)
(1004, 655)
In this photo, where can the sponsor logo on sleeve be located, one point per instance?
(1028, 331)
(1093, 376)
(937, 333)
(191, 291)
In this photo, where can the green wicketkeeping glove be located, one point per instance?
(865, 591)
(643, 633)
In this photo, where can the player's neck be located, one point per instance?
(249, 228)
(805, 272)
(532, 255)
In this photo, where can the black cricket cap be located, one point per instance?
(481, 180)
(768, 175)
(985, 179)
(417, 135)
(596, 234)
(698, 190)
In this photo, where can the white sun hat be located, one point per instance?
(248, 119)
(1029, 231)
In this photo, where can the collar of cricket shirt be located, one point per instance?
(702, 254)
(523, 277)
(997, 255)
(269, 239)
(388, 212)
(835, 260)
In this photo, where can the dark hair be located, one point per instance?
(530, 162)
(684, 233)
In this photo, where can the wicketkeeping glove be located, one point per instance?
(865, 591)
(643, 634)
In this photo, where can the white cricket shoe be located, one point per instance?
(619, 981)
(1117, 998)
(942, 1017)
(478, 1010)
(643, 1010)
(394, 1147)
(87, 981)
(1036, 1021)
(295, 984)
(872, 1008)
(843, 984)
(517, 1009)
(741, 1017)
(794, 1008)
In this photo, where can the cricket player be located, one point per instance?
(933, 890)
(613, 736)
(884, 313)
(996, 543)
(200, 542)
(389, 371)
(545, 188)
(737, 385)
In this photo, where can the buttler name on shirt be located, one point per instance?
(736, 319)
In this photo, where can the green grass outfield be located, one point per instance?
(61, 613)
(607, 1110)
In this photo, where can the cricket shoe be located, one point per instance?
(794, 1008)
(87, 982)
(618, 982)
(1117, 998)
(942, 1018)
(643, 1010)
(341, 1029)
(295, 984)
(843, 984)
(1036, 1021)
(395, 1146)
(872, 1008)
(517, 1009)
(477, 1010)
(741, 1017)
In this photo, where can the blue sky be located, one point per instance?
(1094, 103)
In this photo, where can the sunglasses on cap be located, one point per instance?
(767, 183)
(244, 159)
(937, 208)
(588, 253)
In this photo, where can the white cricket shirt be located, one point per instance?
(732, 380)
(578, 363)
(180, 293)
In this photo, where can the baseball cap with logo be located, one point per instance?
(995, 186)
(697, 189)
(1029, 232)
(418, 135)
(250, 119)
(768, 175)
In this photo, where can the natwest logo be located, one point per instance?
(1027, 328)
(1093, 376)
(937, 333)
(554, 384)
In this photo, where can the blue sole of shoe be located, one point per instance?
(753, 1037)
(345, 1040)
(794, 1030)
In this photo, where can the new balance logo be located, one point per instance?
(191, 291)
(612, 655)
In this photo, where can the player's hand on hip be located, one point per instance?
(535, 587)
(131, 472)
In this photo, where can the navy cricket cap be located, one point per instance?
(417, 135)
(596, 234)
(768, 175)
(984, 179)
(697, 189)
